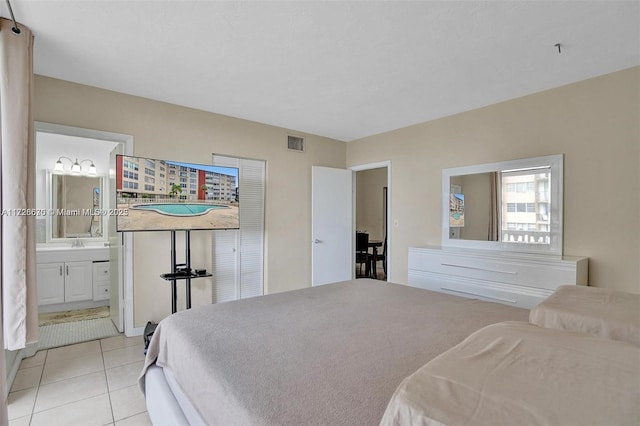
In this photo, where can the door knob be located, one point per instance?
(316, 241)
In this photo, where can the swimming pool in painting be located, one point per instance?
(179, 209)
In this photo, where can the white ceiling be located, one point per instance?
(339, 69)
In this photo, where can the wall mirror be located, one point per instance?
(75, 204)
(510, 206)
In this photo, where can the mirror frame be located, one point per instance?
(556, 205)
(49, 222)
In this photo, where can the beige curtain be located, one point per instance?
(17, 234)
(494, 209)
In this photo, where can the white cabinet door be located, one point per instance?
(50, 279)
(78, 281)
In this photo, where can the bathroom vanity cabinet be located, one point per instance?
(61, 282)
(71, 278)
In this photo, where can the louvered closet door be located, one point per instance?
(226, 266)
(238, 256)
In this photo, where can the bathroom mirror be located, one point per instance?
(75, 206)
(510, 206)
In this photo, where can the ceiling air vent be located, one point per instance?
(294, 143)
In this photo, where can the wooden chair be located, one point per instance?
(382, 257)
(362, 254)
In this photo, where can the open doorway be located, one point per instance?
(79, 269)
(371, 216)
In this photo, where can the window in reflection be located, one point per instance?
(525, 215)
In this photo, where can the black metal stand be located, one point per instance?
(181, 272)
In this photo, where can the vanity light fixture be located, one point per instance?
(76, 167)
(92, 169)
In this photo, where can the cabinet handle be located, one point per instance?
(60, 270)
(67, 270)
(479, 295)
(478, 269)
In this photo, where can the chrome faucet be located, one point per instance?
(77, 243)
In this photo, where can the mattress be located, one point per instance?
(162, 404)
(166, 403)
(516, 373)
(332, 354)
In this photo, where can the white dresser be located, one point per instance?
(516, 279)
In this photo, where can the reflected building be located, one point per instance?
(148, 178)
(525, 206)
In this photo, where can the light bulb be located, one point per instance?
(58, 167)
(75, 168)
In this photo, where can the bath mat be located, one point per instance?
(75, 315)
(68, 333)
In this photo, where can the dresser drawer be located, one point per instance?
(517, 280)
(541, 275)
(522, 297)
(101, 292)
(101, 272)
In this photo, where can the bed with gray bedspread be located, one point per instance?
(332, 354)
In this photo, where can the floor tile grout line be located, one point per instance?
(36, 387)
(44, 364)
(106, 378)
(66, 378)
(69, 378)
(46, 384)
(11, 390)
(122, 365)
(133, 415)
(68, 403)
(123, 347)
(47, 362)
(33, 412)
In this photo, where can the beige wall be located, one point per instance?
(168, 131)
(369, 202)
(594, 123)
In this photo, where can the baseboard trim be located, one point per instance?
(136, 331)
(12, 369)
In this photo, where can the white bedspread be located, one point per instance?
(329, 355)
(605, 313)
(515, 373)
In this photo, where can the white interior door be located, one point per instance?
(116, 275)
(332, 252)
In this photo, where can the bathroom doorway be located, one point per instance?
(79, 271)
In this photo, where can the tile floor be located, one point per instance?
(90, 383)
